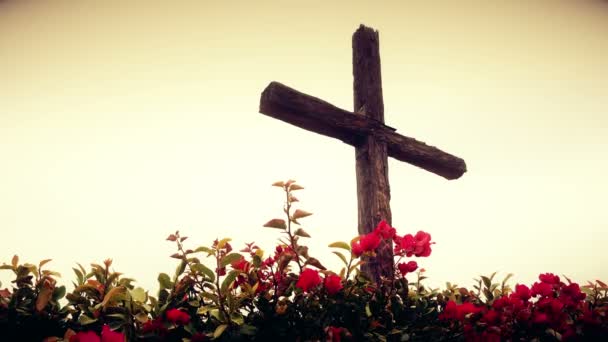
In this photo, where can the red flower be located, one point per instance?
(408, 267)
(522, 292)
(491, 317)
(309, 278)
(418, 245)
(153, 325)
(571, 295)
(385, 230)
(334, 334)
(241, 265)
(333, 284)
(356, 248)
(85, 336)
(369, 242)
(543, 289)
(458, 312)
(199, 337)
(549, 278)
(107, 335)
(177, 317)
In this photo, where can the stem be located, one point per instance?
(291, 237)
(219, 290)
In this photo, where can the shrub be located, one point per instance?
(217, 293)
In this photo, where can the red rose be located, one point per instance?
(333, 284)
(309, 278)
(408, 267)
(177, 317)
(385, 230)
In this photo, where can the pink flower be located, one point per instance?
(408, 267)
(177, 317)
(333, 284)
(385, 230)
(309, 278)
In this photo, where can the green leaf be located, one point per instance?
(210, 296)
(164, 281)
(486, 281)
(342, 257)
(340, 244)
(230, 277)
(58, 293)
(79, 275)
(230, 258)
(237, 318)
(200, 268)
(301, 232)
(86, 320)
(207, 250)
(507, 278)
(276, 223)
(180, 269)
(219, 330)
(223, 243)
(43, 262)
(138, 294)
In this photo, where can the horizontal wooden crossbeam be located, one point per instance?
(287, 104)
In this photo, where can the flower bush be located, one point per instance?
(217, 293)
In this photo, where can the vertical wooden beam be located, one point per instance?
(373, 191)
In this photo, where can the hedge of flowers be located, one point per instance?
(219, 294)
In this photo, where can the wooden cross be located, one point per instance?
(365, 130)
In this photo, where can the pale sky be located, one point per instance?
(122, 121)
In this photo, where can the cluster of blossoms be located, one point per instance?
(549, 305)
(409, 245)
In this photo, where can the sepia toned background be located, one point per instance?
(123, 121)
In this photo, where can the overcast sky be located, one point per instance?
(121, 122)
